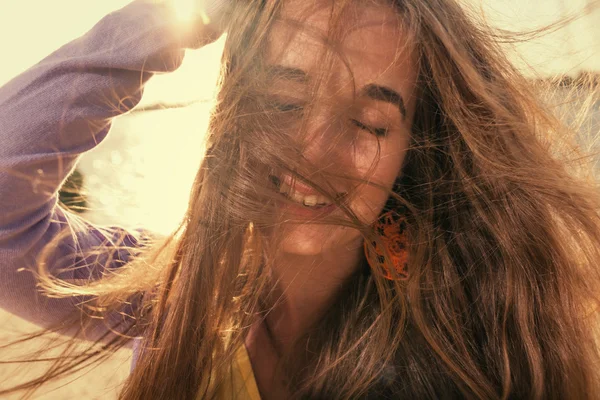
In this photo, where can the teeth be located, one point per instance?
(297, 197)
(284, 188)
(307, 200)
(310, 201)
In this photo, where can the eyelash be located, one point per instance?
(379, 132)
(284, 107)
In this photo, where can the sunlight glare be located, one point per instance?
(188, 10)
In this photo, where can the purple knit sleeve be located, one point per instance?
(50, 115)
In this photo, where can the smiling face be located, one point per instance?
(368, 93)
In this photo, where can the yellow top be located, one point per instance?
(243, 384)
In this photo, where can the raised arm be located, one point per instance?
(49, 116)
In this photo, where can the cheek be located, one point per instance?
(369, 200)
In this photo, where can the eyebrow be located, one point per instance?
(373, 91)
(383, 93)
(290, 73)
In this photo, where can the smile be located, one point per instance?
(301, 193)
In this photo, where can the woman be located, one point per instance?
(381, 212)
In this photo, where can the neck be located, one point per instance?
(305, 287)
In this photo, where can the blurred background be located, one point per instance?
(141, 174)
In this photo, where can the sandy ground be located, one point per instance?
(101, 382)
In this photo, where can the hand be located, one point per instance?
(209, 16)
(213, 14)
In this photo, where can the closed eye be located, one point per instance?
(291, 107)
(379, 132)
(286, 107)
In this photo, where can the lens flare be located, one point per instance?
(189, 10)
(185, 9)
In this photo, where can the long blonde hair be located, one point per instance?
(503, 227)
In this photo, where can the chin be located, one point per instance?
(313, 240)
(301, 247)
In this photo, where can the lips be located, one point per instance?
(300, 192)
(298, 186)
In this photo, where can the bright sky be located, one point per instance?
(569, 50)
(30, 29)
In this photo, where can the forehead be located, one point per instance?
(368, 36)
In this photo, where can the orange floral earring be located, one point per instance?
(391, 228)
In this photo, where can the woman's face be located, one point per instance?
(384, 72)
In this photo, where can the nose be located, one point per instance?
(327, 153)
(323, 142)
